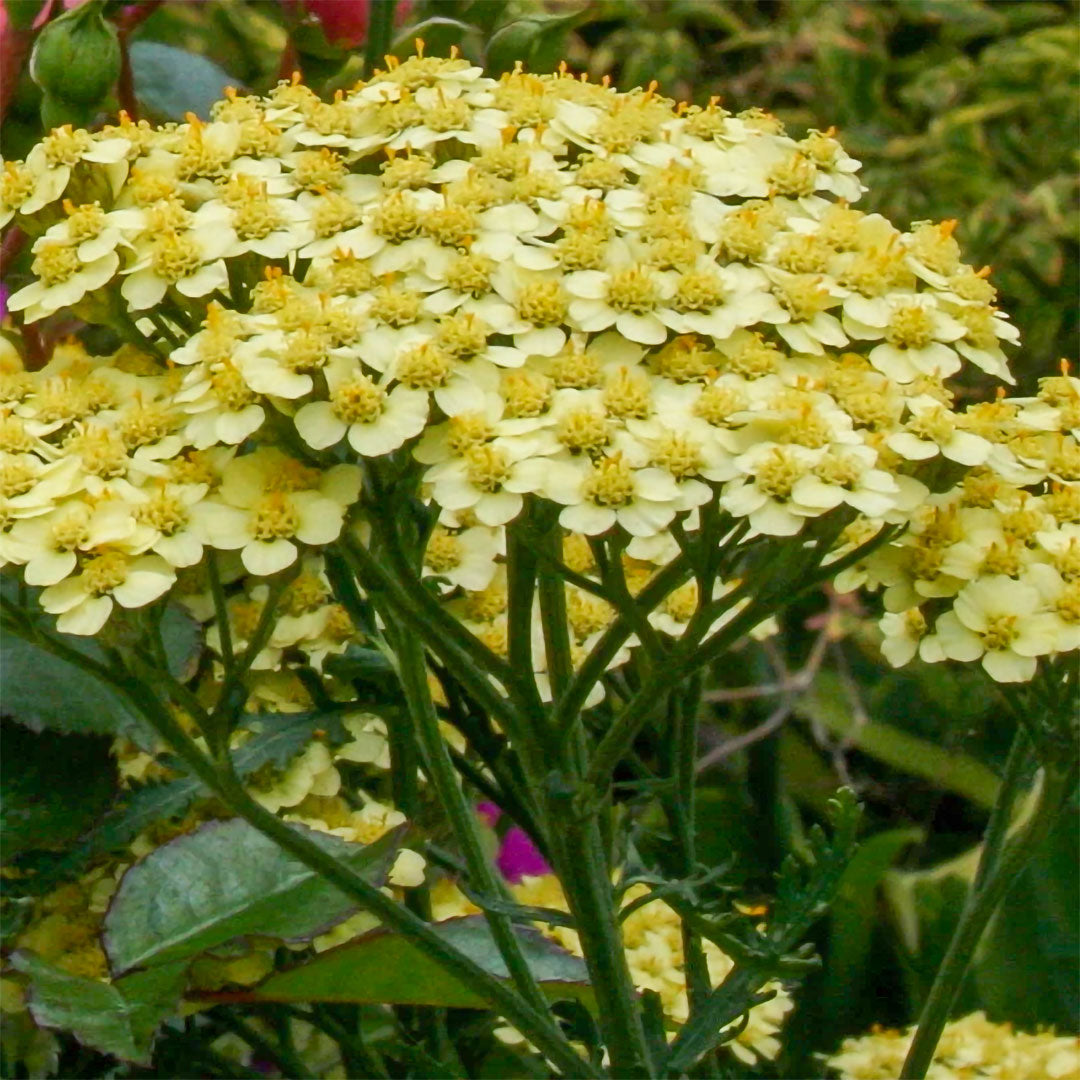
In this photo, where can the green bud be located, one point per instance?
(77, 57)
(55, 112)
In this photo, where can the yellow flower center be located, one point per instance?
(289, 474)
(803, 297)
(701, 290)
(145, 424)
(359, 401)
(55, 263)
(395, 307)
(470, 274)
(14, 438)
(718, 403)
(575, 369)
(462, 336)
(910, 328)
(64, 146)
(274, 516)
(936, 425)
(484, 605)
(101, 450)
(627, 393)
(84, 222)
(230, 389)
(307, 593)
(632, 290)
(778, 474)
(397, 217)
(682, 602)
(678, 454)
(794, 177)
(525, 393)
(587, 614)
(409, 171)
(542, 302)
(426, 366)
(584, 431)
(333, 213)
(70, 532)
(1001, 631)
(105, 572)
(611, 482)
(839, 469)
(486, 467)
(321, 168)
(175, 256)
(444, 551)
(466, 430)
(164, 512)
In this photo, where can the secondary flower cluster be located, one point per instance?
(972, 1048)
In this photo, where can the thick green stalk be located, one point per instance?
(1000, 866)
(582, 866)
(440, 770)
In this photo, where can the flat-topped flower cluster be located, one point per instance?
(535, 287)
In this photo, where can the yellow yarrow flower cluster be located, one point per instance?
(536, 287)
(990, 569)
(972, 1048)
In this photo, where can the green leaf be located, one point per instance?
(52, 787)
(1037, 921)
(170, 82)
(852, 924)
(438, 34)
(182, 637)
(805, 887)
(537, 40)
(117, 1018)
(224, 881)
(41, 690)
(383, 967)
(278, 738)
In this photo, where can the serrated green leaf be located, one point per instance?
(224, 881)
(52, 787)
(117, 1018)
(170, 82)
(385, 967)
(41, 690)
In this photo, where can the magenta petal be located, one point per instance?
(518, 856)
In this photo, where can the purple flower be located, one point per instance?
(518, 856)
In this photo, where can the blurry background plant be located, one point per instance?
(958, 108)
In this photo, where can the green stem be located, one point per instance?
(1002, 862)
(290, 1063)
(582, 866)
(570, 704)
(440, 770)
(684, 806)
(445, 642)
(552, 590)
